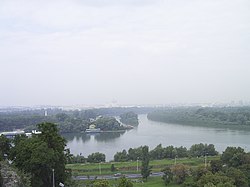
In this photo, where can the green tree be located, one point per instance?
(168, 175)
(233, 156)
(113, 168)
(101, 183)
(216, 165)
(5, 146)
(180, 172)
(217, 179)
(40, 154)
(238, 176)
(145, 168)
(96, 157)
(121, 156)
(123, 182)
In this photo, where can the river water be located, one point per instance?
(152, 133)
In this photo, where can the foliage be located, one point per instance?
(216, 165)
(5, 146)
(203, 115)
(108, 123)
(233, 156)
(216, 179)
(180, 173)
(198, 150)
(129, 118)
(101, 183)
(168, 175)
(171, 152)
(121, 156)
(96, 157)
(238, 176)
(145, 168)
(76, 159)
(198, 172)
(123, 182)
(40, 154)
(112, 168)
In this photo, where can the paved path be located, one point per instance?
(129, 176)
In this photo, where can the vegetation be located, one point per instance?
(145, 168)
(131, 166)
(129, 118)
(5, 146)
(107, 124)
(231, 170)
(170, 152)
(239, 116)
(96, 158)
(67, 121)
(40, 155)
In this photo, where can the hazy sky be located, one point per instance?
(68, 52)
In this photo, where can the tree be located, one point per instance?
(123, 182)
(168, 175)
(233, 156)
(5, 146)
(217, 179)
(216, 165)
(238, 176)
(121, 156)
(113, 168)
(40, 154)
(101, 183)
(180, 173)
(145, 168)
(96, 157)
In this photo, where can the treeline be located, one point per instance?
(203, 115)
(169, 152)
(129, 118)
(67, 121)
(92, 158)
(231, 170)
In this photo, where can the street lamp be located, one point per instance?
(100, 169)
(137, 164)
(53, 176)
(175, 159)
(205, 160)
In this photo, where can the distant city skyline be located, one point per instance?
(135, 52)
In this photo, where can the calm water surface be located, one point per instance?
(153, 133)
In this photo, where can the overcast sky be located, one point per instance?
(69, 52)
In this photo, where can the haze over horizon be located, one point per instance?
(93, 52)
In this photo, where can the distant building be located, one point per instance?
(92, 129)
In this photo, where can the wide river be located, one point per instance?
(152, 133)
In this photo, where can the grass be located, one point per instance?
(130, 167)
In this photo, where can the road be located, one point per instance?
(129, 176)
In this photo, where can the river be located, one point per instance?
(152, 133)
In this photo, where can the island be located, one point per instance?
(129, 118)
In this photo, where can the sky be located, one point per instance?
(93, 52)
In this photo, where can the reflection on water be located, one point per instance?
(76, 136)
(108, 136)
(152, 133)
(101, 137)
